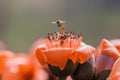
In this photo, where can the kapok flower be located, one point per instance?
(4, 55)
(106, 55)
(115, 72)
(116, 43)
(40, 72)
(58, 49)
(18, 68)
(23, 67)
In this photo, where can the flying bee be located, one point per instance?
(59, 23)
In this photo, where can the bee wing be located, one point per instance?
(53, 22)
(63, 21)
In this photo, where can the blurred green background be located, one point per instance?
(22, 22)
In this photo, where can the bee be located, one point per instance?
(58, 22)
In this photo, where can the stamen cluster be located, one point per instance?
(68, 39)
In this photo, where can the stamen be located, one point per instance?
(50, 37)
(63, 30)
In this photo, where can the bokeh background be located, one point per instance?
(22, 22)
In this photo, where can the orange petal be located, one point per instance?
(106, 56)
(116, 43)
(58, 56)
(40, 74)
(84, 53)
(117, 77)
(41, 57)
(98, 51)
(74, 57)
(109, 49)
(4, 55)
(40, 43)
(11, 76)
(104, 62)
(115, 73)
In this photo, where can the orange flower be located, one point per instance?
(21, 67)
(58, 49)
(4, 55)
(18, 68)
(39, 71)
(106, 55)
(116, 43)
(115, 72)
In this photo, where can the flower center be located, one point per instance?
(64, 39)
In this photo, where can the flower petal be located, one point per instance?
(115, 73)
(4, 55)
(109, 49)
(116, 43)
(74, 57)
(58, 56)
(104, 62)
(41, 57)
(106, 56)
(84, 52)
